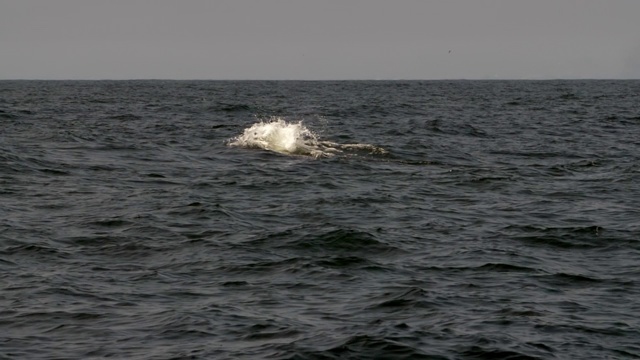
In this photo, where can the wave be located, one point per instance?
(291, 138)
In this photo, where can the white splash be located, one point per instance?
(293, 139)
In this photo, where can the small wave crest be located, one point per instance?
(293, 138)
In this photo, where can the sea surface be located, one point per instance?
(320, 220)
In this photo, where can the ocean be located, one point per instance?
(320, 219)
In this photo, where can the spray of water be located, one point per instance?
(292, 138)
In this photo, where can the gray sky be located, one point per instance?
(319, 39)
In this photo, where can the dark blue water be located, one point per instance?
(320, 220)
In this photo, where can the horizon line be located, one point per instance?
(320, 80)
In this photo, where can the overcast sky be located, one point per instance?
(319, 39)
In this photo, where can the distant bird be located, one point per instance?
(449, 51)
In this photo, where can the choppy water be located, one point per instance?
(320, 220)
